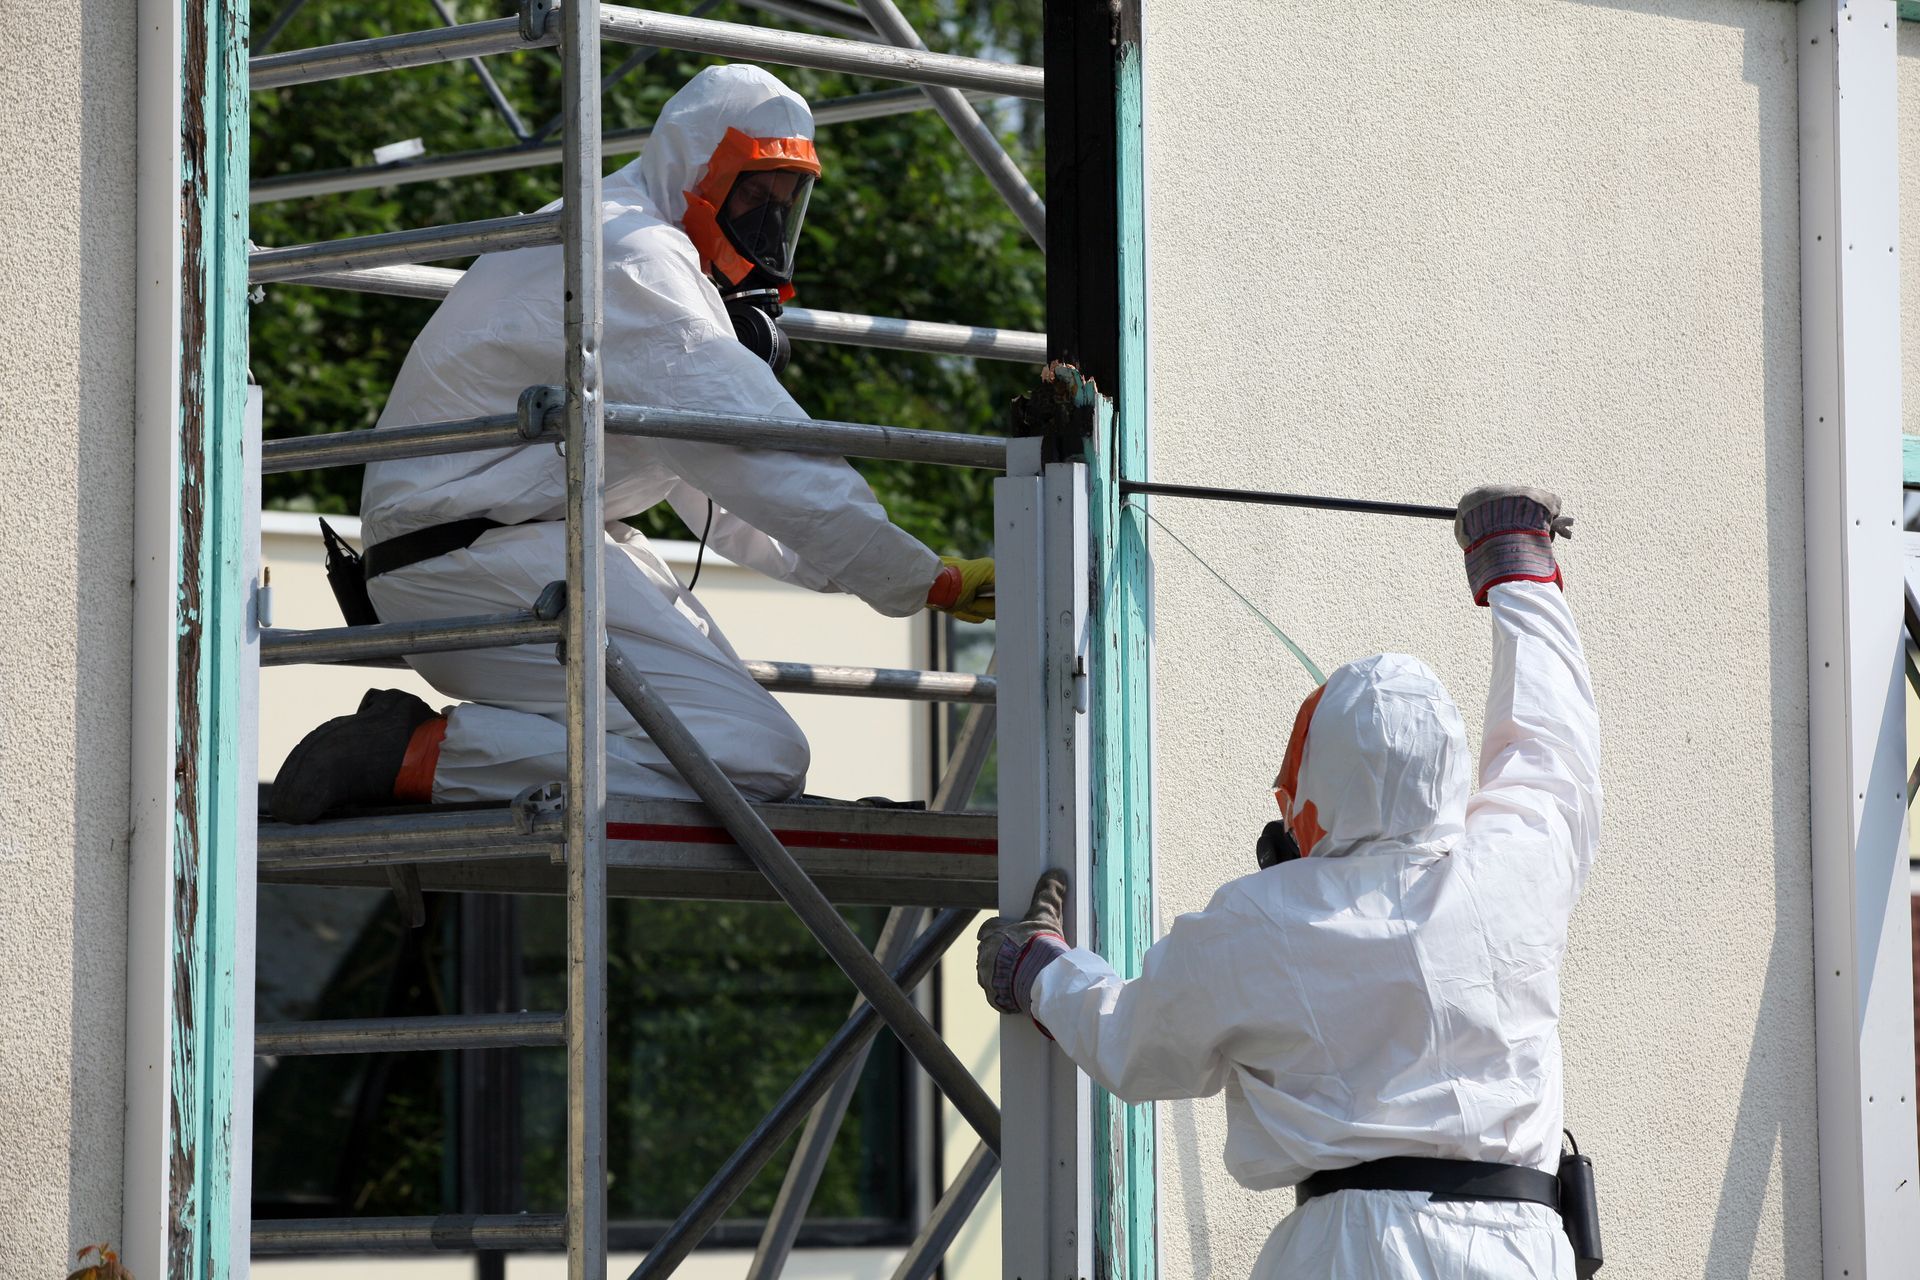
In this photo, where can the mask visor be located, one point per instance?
(762, 217)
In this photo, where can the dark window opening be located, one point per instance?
(713, 1009)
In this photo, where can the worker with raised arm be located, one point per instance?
(1382, 1009)
(699, 237)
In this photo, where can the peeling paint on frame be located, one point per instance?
(1125, 1205)
(210, 621)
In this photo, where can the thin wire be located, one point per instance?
(1318, 676)
(700, 556)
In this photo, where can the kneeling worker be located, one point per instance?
(699, 236)
(1385, 1005)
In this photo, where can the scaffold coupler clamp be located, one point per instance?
(552, 602)
(535, 404)
(543, 800)
(534, 15)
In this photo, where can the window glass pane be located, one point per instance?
(342, 1135)
(713, 1008)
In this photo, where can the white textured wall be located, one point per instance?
(66, 372)
(1910, 224)
(1397, 250)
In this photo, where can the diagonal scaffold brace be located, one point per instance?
(968, 758)
(835, 1058)
(675, 741)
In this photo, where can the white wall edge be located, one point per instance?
(145, 1203)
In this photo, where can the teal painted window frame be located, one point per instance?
(206, 1180)
(1126, 1212)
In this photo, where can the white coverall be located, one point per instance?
(668, 342)
(1396, 993)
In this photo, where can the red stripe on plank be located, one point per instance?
(664, 833)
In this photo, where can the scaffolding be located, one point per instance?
(934, 869)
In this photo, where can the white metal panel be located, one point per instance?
(1064, 621)
(1869, 1171)
(1046, 1104)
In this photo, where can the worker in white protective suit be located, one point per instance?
(1384, 1006)
(699, 236)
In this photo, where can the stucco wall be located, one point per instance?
(66, 366)
(1910, 224)
(1526, 240)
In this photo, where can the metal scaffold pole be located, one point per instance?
(640, 26)
(586, 632)
(969, 130)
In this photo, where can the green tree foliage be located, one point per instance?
(902, 224)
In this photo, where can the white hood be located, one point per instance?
(1386, 759)
(692, 124)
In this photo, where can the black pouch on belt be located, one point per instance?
(1580, 1209)
(348, 579)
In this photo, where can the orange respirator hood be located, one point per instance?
(1301, 817)
(738, 153)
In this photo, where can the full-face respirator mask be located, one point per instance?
(744, 219)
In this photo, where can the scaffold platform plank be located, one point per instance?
(857, 854)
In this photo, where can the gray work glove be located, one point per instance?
(1014, 951)
(1507, 533)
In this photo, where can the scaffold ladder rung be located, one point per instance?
(641, 26)
(456, 1232)
(410, 1035)
(463, 164)
(750, 431)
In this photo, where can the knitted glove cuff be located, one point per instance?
(1510, 557)
(946, 588)
(1016, 964)
(1041, 950)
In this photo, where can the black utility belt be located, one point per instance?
(425, 544)
(1571, 1195)
(1443, 1179)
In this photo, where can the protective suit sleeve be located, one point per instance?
(1540, 755)
(743, 544)
(1165, 1034)
(668, 345)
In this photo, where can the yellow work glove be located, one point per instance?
(964, 588)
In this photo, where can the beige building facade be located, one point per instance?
(1394, 251)
(66, 637)
(1556, 243)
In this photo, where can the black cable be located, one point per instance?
(700, 556)
(1156, 488)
